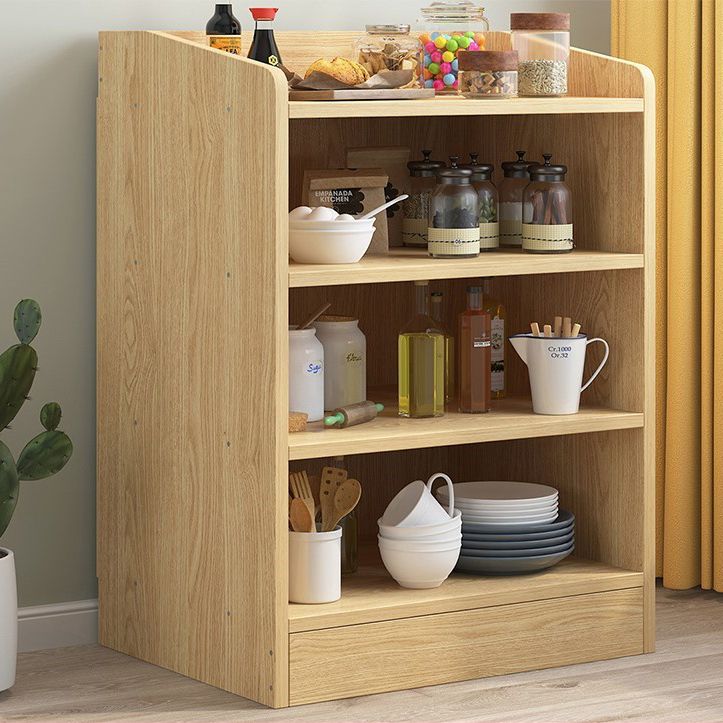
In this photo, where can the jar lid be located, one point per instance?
(546, 171)
(519, 168)
(425, 167)
(335, 319)
(488, 60)
(400, 29)
(480, 171)
(454, 174)
(453, 10)
(540, 21)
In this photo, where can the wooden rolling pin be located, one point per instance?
(353, 414)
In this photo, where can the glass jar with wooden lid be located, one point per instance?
(488, 74)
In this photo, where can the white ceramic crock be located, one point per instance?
(306, 373)
(315, 566)
(345, 360)
(8, 620)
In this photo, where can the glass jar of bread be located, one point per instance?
(388, 47)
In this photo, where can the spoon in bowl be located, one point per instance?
(383, 207)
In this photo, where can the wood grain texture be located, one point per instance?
(371, 595)
(188, 555)
(437, 649)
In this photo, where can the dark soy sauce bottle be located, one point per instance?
(263, 47)
(224, 30)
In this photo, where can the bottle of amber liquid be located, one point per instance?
(498, 338)
(449, 361)
(224, 30)
(421, 361)
(474, 355)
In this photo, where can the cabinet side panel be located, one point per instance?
(192, 362)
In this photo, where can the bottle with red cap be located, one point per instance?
(263, 47)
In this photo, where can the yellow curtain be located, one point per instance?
(682, 42)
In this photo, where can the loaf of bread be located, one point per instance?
(343, 69)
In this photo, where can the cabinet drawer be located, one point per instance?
(433, 649)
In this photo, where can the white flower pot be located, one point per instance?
(8, 620)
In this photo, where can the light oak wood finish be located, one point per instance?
(192, 510)
(425, 650)
(372, 596)
(179, 352)
(408, 265)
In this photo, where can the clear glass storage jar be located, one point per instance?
(415, 210)
(516, 176)
(447, 28)
(454, 214)
(547, 210)
(542, 41)
(488, 74)
(389, 47)
(489, 227)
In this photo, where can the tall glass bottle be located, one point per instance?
(263, 46)
(449, 360)
(474, 355)
(224, 30)
(421, 361)
(498, 338)
(349, 533)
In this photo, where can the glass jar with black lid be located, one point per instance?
(489, 228)
(516, 177)
(454, 214)
(547, 210)
(423, 179)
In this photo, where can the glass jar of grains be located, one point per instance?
(488, 74)
(447, 29)
(415, 209)
(454, 214)
(516, 177)
(542, 41)
(389, 47)
(489, 227)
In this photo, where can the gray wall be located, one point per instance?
(47, 229)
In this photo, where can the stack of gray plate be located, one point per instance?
(511, 527)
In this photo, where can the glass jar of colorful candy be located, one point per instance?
(447, 28)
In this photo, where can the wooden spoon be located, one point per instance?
(346, 499)
(300, 516)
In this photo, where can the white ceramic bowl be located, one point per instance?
(423, 532)
(332, 225)
(415, 505)
(307, 246)
(440, 543)
(412, 570)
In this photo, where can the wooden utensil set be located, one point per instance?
(563, 328)
(338, 496)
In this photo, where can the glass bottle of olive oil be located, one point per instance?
(421, 361)
(498, 336)
(449, 377)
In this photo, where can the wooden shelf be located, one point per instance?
(371, 595)
(455, 106)
(510, 419)
(411, 264)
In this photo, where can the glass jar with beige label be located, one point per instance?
(489, 227)
(454, 214)
(547, 210)
(423, 178)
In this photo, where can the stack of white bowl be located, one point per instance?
(322, 236)
(419, 539)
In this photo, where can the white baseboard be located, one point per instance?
(57, 626)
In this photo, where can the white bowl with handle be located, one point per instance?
(415, 505)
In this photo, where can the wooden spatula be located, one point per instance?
(331, 478)
(300, 518)
(346, 499)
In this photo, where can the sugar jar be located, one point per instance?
(415, 210)
(446, 28)
(489, 227)
(542, 41)
(306, 373)
(454, 214)
(389, 47)
(516, 176)
(547, 210)
(345, 360)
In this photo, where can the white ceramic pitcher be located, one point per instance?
(556, 366)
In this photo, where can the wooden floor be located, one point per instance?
(682, 681)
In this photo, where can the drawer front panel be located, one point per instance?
(433, 649)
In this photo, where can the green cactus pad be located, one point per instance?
(9, 487)
(17, 371)
(50, 416)
(44, 455)
(27, 320)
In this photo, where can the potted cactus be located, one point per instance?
(42, 456)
